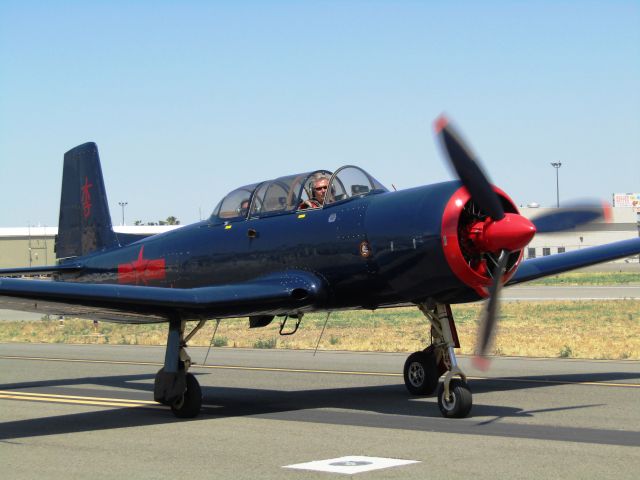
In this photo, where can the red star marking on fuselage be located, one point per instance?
(141, 270)
(85, 197)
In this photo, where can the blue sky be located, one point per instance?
(187, 100)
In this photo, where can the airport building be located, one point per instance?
(34, 246)
(623, 224)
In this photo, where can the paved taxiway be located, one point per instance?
(72, 411)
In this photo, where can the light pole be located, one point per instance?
(123, 204)
(557, 166)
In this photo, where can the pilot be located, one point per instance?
(244, 208)
(318, 194)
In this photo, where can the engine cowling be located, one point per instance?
(472, 241)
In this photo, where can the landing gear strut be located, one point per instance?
(173, 385)
(423, 369)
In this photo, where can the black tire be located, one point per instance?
(460, 402)
(442, 368)
(158, 397)
(188, 406)
(421, 373)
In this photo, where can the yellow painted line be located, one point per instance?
(77, 397)
(297, 370)
(333, 372)
(68, 400)
(220, 367)
(78, 360)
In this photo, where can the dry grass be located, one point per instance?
(582, 329)
(590, 278)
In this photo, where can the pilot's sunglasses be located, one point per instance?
(320, 188)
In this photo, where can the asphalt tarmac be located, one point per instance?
(79, 411)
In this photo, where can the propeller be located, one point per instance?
(500, 234)
(468, 169)
(571, 217)
(490, 314)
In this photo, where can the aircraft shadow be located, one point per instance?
(394, 407)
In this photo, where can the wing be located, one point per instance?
(275, 294)
(562, 262)
(36, 271)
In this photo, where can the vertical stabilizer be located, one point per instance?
(85, 223)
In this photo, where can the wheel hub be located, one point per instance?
(449, 403)
(179, 403)
(416, 374)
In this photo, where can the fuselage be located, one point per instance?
(376, 250)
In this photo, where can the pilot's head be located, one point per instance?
(244, 208)
(320, 186)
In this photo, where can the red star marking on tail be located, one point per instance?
(85, 197)
(141, 270)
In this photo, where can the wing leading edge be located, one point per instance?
(563, 262)
(275, 294)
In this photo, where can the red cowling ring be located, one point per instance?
(477, 278)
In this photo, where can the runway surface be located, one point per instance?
(73, 411)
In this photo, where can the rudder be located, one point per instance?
(85, 223)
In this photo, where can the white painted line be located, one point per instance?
(350, 465)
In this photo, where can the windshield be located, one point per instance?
(309, 190)
(350, 181)
(235, 206)
(285, 194)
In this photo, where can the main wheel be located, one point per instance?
(421, 373)
(459, 403)
(188, 406)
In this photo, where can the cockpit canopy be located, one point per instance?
(294, 192)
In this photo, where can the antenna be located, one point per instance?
(321, 333)
(211, 342)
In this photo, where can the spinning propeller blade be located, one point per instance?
(468, 169)
(490, 313)
(568, 218)
(475, 180)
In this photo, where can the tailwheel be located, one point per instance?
(459, 403)
(421, 372)
(189, 403)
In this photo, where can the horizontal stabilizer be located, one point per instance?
(35, 271)
(129, 238)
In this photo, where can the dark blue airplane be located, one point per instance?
(316, 241)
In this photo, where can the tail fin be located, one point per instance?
(85, 223)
